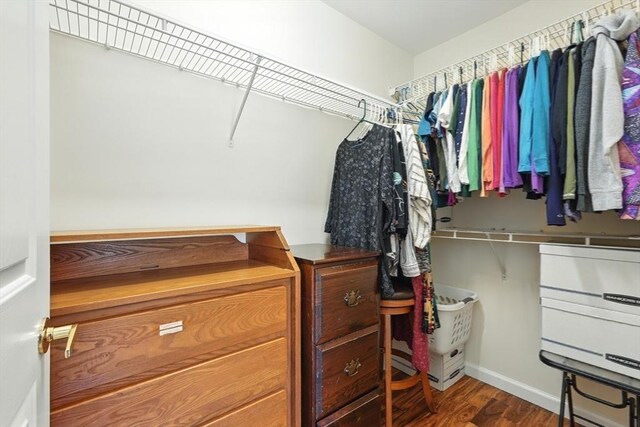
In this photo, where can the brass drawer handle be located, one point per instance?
(352, 298)
(351, 368)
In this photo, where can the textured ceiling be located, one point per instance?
(418, 25)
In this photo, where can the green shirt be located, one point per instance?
(473, 148)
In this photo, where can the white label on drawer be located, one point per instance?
(171, 328)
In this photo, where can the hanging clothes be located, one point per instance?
(540, 132)
(509, 177)
(526, 118)
(420, 219)
(607, 116)
(448, 143)
(629, 146)
(496, 131)
(465, 114)
(582, 117)
(453, 126)
(487, 166)
(409, 328)
(569, 188)
(361, 201)
(474, 148)
(554, 204)
(529, 109)
(497, 144)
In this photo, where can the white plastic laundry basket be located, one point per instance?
(455, 308)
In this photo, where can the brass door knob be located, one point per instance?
(50, 333)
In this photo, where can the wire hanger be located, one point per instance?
(363, 119)
(578, 31)
(587, 22)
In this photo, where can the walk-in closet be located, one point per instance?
(327, 213)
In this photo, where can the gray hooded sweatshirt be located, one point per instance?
(607, 115)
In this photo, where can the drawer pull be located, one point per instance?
(351, 368)
(352, 298)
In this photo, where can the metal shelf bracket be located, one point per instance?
(244, 100)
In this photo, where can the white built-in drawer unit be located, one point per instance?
(590, 301)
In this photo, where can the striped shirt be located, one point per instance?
(419, 196)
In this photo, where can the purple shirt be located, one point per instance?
(509, 177)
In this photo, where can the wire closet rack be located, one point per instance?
(117, 25)
(554, 36)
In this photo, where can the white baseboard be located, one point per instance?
(530, 394)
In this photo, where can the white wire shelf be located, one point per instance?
(120, 26)
(536, 238)
(509, 54)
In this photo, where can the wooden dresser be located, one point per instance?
(175, 327)
(340, 336)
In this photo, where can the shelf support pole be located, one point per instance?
(503, 268)
(244, 100)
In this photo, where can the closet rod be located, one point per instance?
(119, 26)
(557, 33)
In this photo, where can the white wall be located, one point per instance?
(504, 344)
(137, 144)
(531, 16)
(307, 34)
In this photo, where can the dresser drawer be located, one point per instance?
(190, 396)
(348, 368)
(270, 411)
(364, 412)
(346, 299)
(111, 353)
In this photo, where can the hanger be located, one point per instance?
(475, 69)
(521, 53)
(586, 19)
(363, 119)
(579, 32)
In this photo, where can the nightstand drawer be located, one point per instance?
(348, 367)
(364, 412)
(347, 299)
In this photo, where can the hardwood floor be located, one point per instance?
(468, 403)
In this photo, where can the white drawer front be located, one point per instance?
(604, 338)
(603, 278)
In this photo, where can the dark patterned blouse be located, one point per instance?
(361, 203)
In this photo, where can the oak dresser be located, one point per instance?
(175, 327)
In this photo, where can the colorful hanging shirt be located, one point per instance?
(629, 146)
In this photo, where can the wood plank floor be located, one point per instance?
(468, 403)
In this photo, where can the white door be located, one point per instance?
(24, 211)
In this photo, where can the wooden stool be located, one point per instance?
(402, 302)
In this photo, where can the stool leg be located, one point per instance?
(387, 371)
(426, 390)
